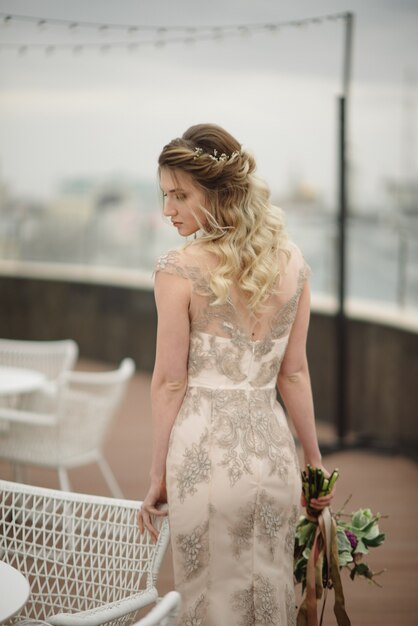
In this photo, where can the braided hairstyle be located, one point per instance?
(242, 229)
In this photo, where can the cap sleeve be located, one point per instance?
(303, 268)
(174, 262)
(170, 264)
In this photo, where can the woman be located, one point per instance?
(233, 313)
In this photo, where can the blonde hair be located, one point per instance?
(243, 230)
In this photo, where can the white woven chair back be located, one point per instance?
(51, 358)
(80, 553)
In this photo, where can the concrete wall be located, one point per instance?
(112, 322)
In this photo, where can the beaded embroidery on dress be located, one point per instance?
(233, 477)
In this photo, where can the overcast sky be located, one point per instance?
(102, 113)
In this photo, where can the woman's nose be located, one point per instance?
(169, 207)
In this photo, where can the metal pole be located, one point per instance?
(348, 46)
(341, 320)
(342, 373)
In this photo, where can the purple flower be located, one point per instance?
(351, 538)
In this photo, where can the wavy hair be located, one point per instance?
(243, 230)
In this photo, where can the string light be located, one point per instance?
(162, 34)
(143, 27)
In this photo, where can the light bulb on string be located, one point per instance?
(272, 28)
(7, 20)
(42, 24)
(244, 31)
(103, 29)
(217, 32)
(73, 28)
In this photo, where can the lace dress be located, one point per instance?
(232, 472)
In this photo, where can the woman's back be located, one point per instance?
(246, 331)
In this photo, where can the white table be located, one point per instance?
(16, 380)
(15, 591)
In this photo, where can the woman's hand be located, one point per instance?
(320, 503)
(157, 494)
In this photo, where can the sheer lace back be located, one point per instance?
(234, 320)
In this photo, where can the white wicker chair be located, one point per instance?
(73, 434)
(50, 358)
(165, 613)
(86, 562)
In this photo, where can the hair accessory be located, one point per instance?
(221, 158)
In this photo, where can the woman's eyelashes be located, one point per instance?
(178, 196)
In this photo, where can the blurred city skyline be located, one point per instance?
(102, 113)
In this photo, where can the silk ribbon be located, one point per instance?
(324, 547)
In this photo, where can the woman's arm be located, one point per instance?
(169, 381)
(295, 388)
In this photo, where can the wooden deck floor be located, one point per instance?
(386, 484)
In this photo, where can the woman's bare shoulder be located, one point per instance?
(198, 256)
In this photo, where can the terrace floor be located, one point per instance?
(386, 484)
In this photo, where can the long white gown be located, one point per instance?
(233, 477)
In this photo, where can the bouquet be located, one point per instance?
(326, 543)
